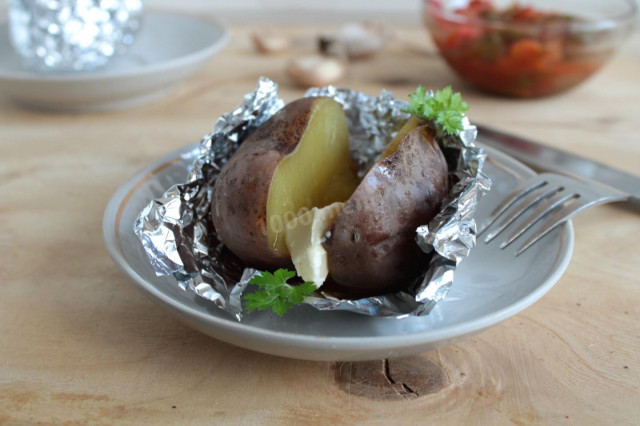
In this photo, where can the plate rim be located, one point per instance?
(307, 341)
(106, 74)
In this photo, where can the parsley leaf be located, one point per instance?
(275, 293)
(450, 121)
(418, 102)
(445, 108)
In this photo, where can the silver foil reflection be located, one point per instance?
(179, 239)
(66, 35)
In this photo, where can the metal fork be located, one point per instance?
(553, 199)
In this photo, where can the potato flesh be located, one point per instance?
(411, 124)
(318, 172)
(305, 234)
(304, 237)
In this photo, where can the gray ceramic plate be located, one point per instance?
(167, 49)
(490, 286)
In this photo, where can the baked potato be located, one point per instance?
(371, 249)
(291, 191)
(300, 158)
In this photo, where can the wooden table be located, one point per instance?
(79, 343)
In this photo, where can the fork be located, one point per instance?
(553, 199)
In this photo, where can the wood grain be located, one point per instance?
(391, 379)
(79, 344)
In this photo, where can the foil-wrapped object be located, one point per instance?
(72, 35)
(179, 238)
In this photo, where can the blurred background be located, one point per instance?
(327, 11)
(273, 11)
(496, 47)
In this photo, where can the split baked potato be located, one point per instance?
(290, 196)
(298, 159)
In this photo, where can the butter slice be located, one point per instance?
(304, 237)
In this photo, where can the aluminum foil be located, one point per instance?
(72, 35)
(179, 239)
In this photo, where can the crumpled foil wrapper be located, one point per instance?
(178, 236)
(70, 35)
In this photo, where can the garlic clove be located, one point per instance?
(359, 41)
(356, 41)
(315, 70)
(266, 41)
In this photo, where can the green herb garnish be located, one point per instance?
(275, 293)
(444, 107)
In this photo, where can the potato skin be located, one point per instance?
(239, 201)
(372, 248)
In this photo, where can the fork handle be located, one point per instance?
(546, 158)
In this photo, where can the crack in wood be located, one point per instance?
(387, 373)
(402, 389)
(409, 390)
(395, 379)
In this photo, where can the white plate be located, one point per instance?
(490, 286)
(167, 49)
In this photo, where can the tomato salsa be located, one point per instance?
(516, 51)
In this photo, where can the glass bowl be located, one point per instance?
(529, 48)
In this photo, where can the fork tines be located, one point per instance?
(552, 197)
